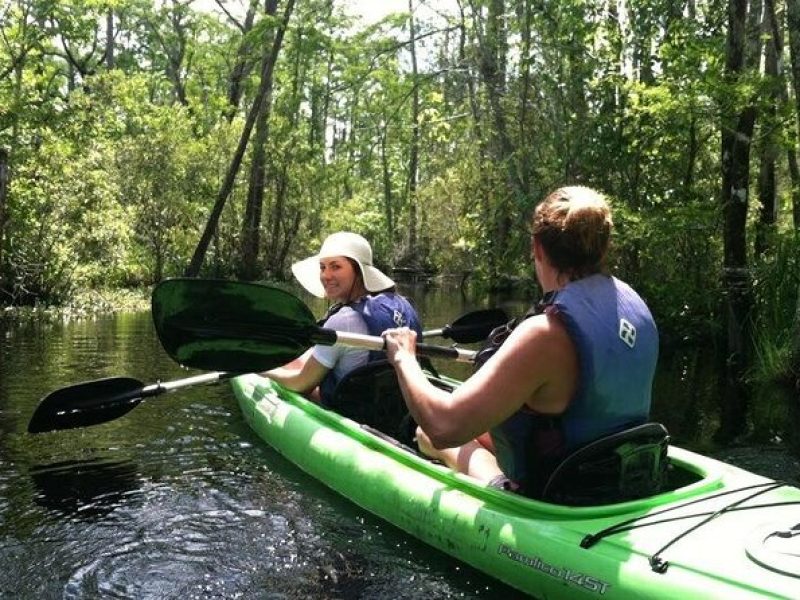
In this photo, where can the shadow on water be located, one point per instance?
(85, 489)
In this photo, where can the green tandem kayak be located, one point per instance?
(722, 533)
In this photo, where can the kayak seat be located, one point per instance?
(370, 395)
(627, 465)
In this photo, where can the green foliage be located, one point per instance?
(160, 173)
(115, 170)
(114, 196)
(672, 256)
(776, 281)
(55, 203)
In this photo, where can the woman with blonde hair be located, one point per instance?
(578, 368)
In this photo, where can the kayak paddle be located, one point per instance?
(472, 327)
(94, 402)
(221, 325)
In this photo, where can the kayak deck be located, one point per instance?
(716, 534)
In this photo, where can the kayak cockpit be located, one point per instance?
(618, 469)
(625, 466)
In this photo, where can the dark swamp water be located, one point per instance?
(178, 499)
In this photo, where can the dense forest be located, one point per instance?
(141, 140)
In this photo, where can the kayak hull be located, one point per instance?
(536, 546)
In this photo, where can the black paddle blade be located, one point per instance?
(475, 326)
(230, 325)
(86, 404)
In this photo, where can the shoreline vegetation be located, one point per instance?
(84, 304)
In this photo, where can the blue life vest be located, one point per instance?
(617, 344)
(380, 312)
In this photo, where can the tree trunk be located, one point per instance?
(413, 151)
(691, 158)
(251, 223)
(388, 196)
(493, 49)
(109, 39)
(767, 195)
(526, 95)
(794, 358)
(736, 137)
(475, 108)
(290, 233)
(3, 195)
(241, 69)
(174, 52)
(793, 26)
(283, 223)
(484, 183)
(193, 269)
(642, 30)
(794, 178)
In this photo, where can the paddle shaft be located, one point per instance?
(331, 337)
(311, 334)
(434, 332)
(162, 387)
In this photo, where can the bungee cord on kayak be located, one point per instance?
(656, 562)
(660, 565)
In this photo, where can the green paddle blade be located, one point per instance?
(231, 325)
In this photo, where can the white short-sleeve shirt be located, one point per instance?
(341, 358)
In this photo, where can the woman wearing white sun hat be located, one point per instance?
(364, 301)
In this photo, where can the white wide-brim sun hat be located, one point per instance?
(343, 243)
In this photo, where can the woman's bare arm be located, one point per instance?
(301, 375)
(536, 366)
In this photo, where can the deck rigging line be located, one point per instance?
(658, 564)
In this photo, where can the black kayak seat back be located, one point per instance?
(370, 394)
(626, 465)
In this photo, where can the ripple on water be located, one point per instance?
(180, 545)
